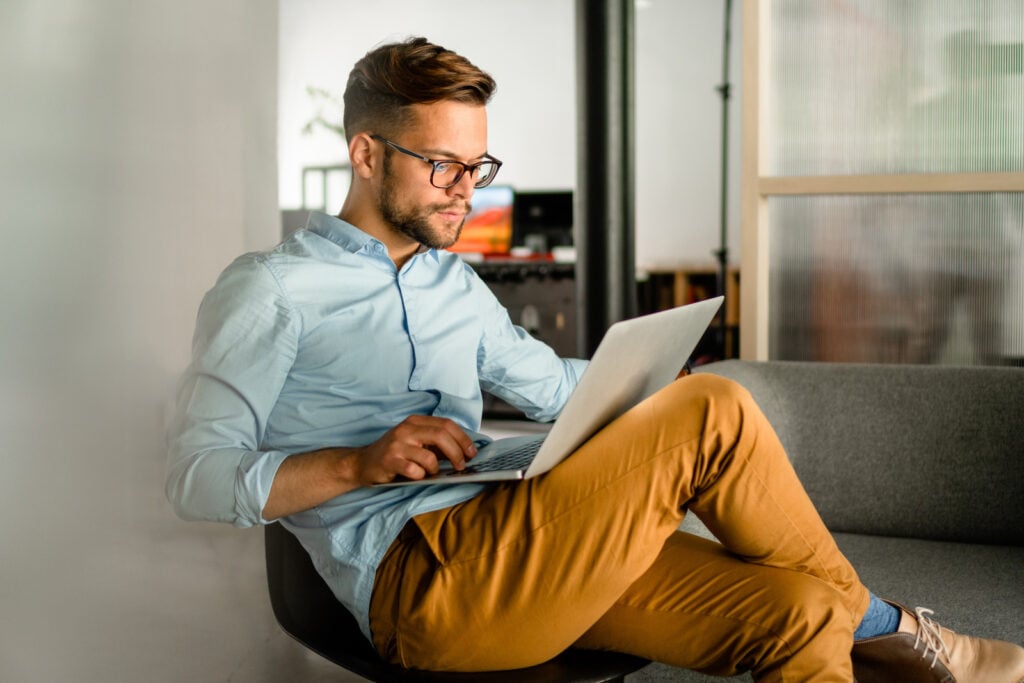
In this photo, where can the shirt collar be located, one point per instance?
(348, 236)
(342, 233)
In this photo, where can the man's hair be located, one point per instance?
(391, 77)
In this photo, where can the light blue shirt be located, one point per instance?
(322, 342)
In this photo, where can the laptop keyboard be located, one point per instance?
(517, 458)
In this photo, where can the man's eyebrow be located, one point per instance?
(435, 152)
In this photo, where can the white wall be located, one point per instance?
(679, 65)
(529, 47)
(136, 159)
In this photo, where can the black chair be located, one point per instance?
(309, 612)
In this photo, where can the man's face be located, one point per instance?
(407, 201)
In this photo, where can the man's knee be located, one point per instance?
(713, 395)
(708, 385)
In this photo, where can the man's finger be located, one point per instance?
(418, 463)
(446, 438)
(446, 445)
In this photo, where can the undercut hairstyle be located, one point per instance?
(390, 78)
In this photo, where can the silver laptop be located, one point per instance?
(635, 359)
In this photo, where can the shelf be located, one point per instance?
(668, 287)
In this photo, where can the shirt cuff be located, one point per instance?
(255, 476)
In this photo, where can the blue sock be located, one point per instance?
(880, 619)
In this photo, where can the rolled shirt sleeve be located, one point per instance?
(244, 345)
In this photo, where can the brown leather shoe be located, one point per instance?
(933, 654)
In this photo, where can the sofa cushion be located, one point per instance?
(973, 588)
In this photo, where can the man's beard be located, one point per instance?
(415, 222)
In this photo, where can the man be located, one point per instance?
(355, 352)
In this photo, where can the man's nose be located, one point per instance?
(464, 188)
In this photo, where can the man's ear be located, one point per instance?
(361, 154)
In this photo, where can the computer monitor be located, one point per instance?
(542, 220)
(488, 227)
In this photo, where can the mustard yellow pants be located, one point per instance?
(589, 555)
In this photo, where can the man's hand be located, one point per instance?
(412, 448)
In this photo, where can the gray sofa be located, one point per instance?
(919, 473)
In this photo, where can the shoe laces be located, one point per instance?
(929, 636)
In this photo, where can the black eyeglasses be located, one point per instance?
(447, 172)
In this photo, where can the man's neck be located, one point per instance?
(400, 247)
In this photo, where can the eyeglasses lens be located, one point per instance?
(446, 175)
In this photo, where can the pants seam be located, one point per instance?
(796, 527)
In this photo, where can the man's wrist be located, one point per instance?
(347, 469)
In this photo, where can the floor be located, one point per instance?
(153, 599)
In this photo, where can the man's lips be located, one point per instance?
(452, 214)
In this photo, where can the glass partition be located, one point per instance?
(877, 86)
(924, 278)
